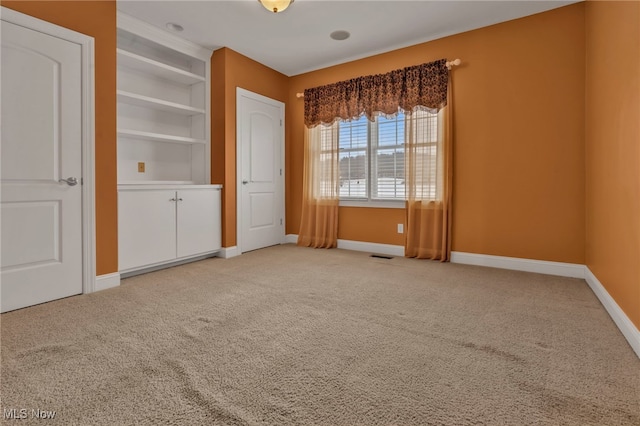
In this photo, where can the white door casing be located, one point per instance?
(47, 137)
(260, 164)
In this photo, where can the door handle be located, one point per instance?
(244, 182)
(71, 181)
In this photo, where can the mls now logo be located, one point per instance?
(15, 413)
(23, 413)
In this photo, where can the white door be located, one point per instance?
(146, 227)
(260, 171)
(40, 145)
(198, 221)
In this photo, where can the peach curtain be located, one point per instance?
(429, 175)
(320, 193)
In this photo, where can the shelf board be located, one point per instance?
(158, 104)
(149, 66)
(159, 137)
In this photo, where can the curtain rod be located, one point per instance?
(448, 64)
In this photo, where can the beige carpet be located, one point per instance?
(287, 335)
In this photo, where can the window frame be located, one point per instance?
(370, 201)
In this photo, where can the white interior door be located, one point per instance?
(260, 171)
(40, 145)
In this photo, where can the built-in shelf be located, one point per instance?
(159, 137)
(163, 108)
(155, 68)
(167, 211)
(158, 104)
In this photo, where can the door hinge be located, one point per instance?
(280, 221)
(280, 172)
(280, 122)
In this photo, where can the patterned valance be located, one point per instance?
(422, 86)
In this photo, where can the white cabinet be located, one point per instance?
(198, 223)
(167, 224)
(163, 106)
(146, 228)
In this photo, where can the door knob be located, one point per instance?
(71, 181)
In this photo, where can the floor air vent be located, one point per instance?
(381, 256)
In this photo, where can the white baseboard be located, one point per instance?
(291, 239)
(163, 265)
(377, 248)
(106, 281)
(228, 252)
(387, 249)
(561, 269)
(628, 329)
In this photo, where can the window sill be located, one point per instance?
(380, 204)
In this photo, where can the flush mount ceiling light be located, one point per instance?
(340, 35)
(276, 5)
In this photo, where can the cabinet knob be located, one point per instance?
(172, 199)
(244, 182)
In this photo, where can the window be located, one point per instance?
(387, 158)
(372, 155)
(353, 139)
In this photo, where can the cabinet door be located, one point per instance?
(146, 227)
(199, 228)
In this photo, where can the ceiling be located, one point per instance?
(297, 40)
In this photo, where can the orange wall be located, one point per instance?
(613, 150)
(96, 19)
(519, 138)
(230, 70)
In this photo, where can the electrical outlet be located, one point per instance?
(400, 228)
(141, 167)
